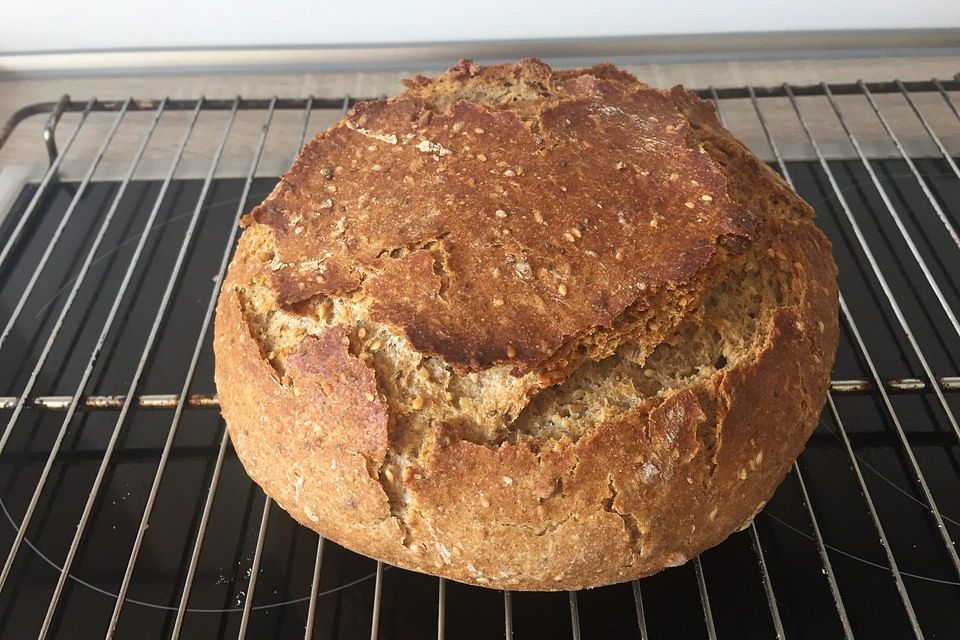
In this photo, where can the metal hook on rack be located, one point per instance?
(50, 129)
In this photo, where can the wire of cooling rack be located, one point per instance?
(24, 273)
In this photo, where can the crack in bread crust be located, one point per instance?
(458, 401)
(525, 221)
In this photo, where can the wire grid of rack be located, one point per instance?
(128, 514)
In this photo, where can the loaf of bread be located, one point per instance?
(526, 329)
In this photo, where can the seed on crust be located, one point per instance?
(433, 148)
(325, 310)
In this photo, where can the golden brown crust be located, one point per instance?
(319, 427)
(482, 202)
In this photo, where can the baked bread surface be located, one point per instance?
(526, 329)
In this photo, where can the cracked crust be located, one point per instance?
(567, 247)
(590, 411)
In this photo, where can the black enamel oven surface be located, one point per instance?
(268, 566)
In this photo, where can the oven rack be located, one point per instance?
(893, 404)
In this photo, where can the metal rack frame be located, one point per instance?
(183, 400)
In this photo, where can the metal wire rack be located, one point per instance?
(129, 515)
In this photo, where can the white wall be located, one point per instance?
(59, 25)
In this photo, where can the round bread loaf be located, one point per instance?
(526, 329)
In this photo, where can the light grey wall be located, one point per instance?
(58, 25)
